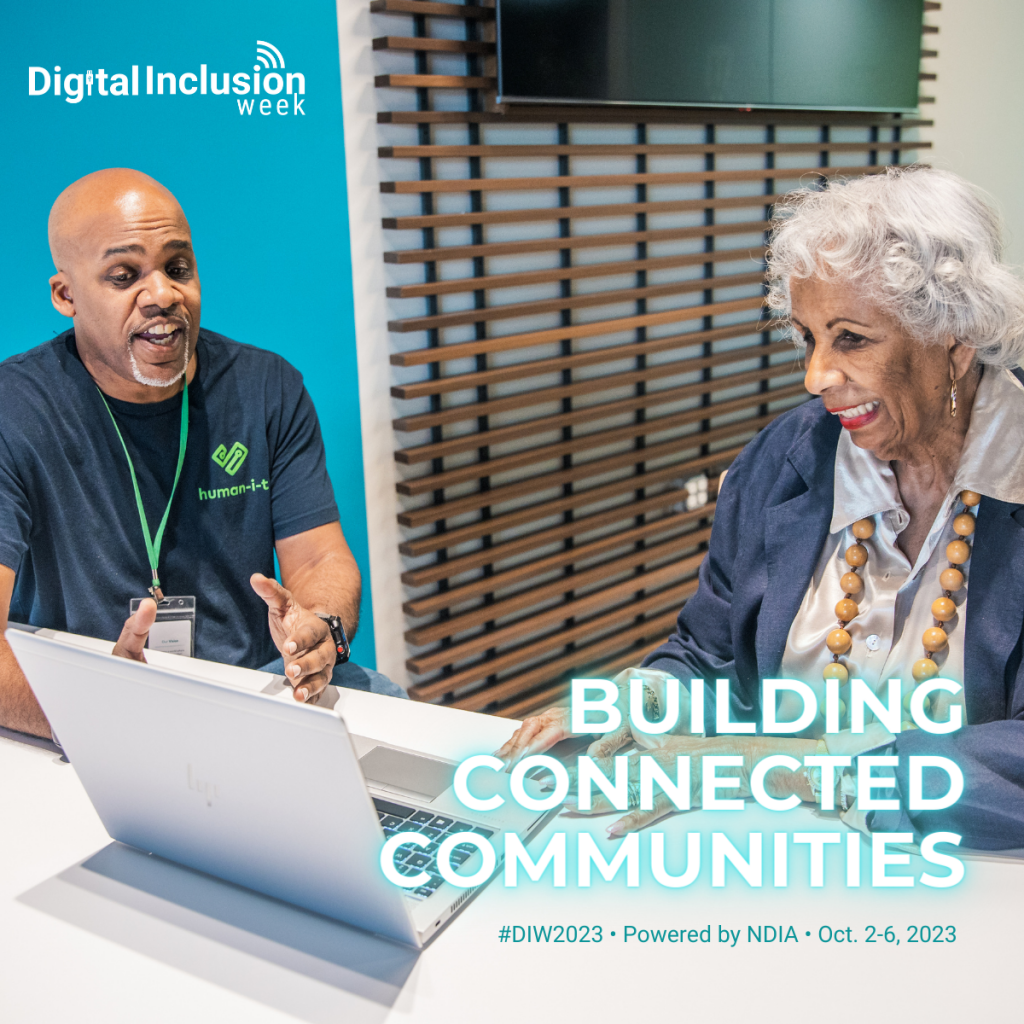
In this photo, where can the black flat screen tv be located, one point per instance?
(789, 54)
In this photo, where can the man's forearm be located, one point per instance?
(318, 569)
(19, 708)
(330, 586)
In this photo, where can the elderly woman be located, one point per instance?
(878, 531)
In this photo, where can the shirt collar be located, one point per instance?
(992, 462)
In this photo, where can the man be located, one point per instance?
(113, 485)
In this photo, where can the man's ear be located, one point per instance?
(60, 294)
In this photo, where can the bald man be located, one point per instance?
(144, 457)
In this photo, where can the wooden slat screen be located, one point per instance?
(578, 330)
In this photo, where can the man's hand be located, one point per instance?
(301, 636)
(132, 641)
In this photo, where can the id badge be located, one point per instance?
(174, 631)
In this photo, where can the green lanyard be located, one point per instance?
(153, 544)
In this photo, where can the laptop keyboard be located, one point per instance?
(410, 859)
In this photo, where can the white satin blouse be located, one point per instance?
(895, 604)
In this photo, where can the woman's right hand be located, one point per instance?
(537, 734)
(541, 732)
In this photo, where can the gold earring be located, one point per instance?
(952, 398)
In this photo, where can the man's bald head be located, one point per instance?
(110, 192)
(127, 276)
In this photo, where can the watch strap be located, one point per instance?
(340, 640)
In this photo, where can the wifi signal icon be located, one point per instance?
(268, 55)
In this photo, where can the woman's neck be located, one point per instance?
(925, 474)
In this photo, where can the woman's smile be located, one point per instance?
(853, 417)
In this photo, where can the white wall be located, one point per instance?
(979, 108)
(359, 63)
(355, 33)
(977, 133)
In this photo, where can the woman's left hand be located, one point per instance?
(779, 783)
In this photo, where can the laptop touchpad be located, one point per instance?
(411, 772)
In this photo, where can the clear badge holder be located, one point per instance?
(174, 631)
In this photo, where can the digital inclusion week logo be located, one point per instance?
(271, 89)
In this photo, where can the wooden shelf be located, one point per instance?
(531, 215)
(497, 524)
(662, 149)
(421, 44)
(584, 301)
(558, 244)
(504, 607)
(584, 271)
(583, 114)
(434, 82)
(574, 608)
(437, 185)
(631, 646)
(447, 600)
(432, 10)
(590, 385)
(670, 597)
(531, 339)
(537, 483)
(578, 360)
(583, 654)
(589, 414)
(629, 512)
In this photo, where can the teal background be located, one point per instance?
(265, 196)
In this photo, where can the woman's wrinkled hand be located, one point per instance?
(537, 734)
(780, 782)
(666, 757)
(541, 732)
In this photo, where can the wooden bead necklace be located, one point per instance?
(951, 580)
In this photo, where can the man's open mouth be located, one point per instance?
(164, 335)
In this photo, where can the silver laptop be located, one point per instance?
(184, 759)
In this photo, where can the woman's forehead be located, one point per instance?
(832, 296)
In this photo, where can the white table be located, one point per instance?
(77, 946)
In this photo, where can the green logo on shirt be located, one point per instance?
(230, 461)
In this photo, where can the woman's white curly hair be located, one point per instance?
(924, 244)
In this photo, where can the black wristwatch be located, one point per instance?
(341, 643)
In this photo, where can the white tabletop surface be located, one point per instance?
(80, 945)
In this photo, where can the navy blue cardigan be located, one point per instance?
(771, 523)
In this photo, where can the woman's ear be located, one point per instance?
(961, 357)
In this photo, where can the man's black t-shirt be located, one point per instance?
(254, 473)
